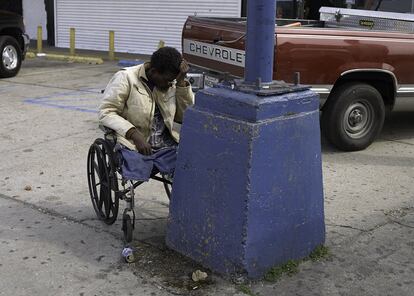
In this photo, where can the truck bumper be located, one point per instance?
(26, 43)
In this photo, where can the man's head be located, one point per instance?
(164, 67)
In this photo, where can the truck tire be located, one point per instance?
(353, 116)
(11, 57)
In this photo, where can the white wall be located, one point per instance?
(139, 25)
(34, 14)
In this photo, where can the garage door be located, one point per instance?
(139, 25)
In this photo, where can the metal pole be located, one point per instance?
(161, 44)
(300, 9)
(72, 41)
(39, 39)
(111, 45)
(260, 44)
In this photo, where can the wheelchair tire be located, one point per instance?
(127, 227)
(167, 188)
(101, 168)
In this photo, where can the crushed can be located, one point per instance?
(128, 255)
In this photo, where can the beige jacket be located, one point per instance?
(128, 102)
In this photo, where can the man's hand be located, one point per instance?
(184, 68)
(142, 146)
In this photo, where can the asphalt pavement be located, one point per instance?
(51, 242)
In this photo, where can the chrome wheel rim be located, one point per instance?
(9, 57)
(358, 119)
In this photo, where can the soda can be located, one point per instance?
(128, 255)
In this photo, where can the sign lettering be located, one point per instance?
(214, 52)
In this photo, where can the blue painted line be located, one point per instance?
(73, 108)
(64, 100)
(61, 100)
(129, 63)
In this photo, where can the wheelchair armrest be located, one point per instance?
(107, 130)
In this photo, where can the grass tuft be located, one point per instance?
(319, 253)
(292, 266)
(246, 290)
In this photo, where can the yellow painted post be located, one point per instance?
(72, 41)
(39, 39)
(111, 45)
(161, 44)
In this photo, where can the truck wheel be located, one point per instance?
(353, 116)
(11, 57)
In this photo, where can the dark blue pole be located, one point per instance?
(261, 16)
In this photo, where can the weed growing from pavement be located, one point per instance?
(246, 290)
(292, 266)
(319, 253)
(275, 273)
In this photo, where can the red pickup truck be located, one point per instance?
(359, 62)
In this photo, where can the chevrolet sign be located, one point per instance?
(217, 53)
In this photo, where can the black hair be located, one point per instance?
(166, 60)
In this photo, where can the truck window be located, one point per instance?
(309, 9)
(386, 5)
(403, 6)
(285, 9)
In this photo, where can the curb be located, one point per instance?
(67, 58)
(30, 55)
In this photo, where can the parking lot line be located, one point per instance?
(82, 101)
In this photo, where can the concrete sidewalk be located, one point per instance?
(45, 253)
(48, 119)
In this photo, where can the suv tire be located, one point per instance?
(10, 57)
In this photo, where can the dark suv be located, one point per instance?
(13, 43)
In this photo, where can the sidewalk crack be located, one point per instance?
(360, 229)
(399, 142)
(346, 226)
(402, 224)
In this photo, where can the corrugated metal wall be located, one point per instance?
(139, 25)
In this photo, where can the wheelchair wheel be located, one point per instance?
(102, 181)
(167, 188)
(127, 227)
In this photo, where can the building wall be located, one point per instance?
(139, 25)
(34, 14)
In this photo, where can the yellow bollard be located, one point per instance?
(39, 39)
(161, 44)
(111, 45)
(72, 41)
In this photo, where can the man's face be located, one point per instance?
(163, 81)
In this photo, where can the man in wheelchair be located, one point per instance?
(144, 105)
(143, 108)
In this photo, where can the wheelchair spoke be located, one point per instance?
(107, 206)
(96, 168)
(105, 197)
(101, 197)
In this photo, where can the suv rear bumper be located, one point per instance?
(26, 42)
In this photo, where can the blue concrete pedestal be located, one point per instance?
(247, 191)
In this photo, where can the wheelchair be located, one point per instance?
(107, 185)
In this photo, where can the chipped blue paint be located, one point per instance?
(248, 191)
